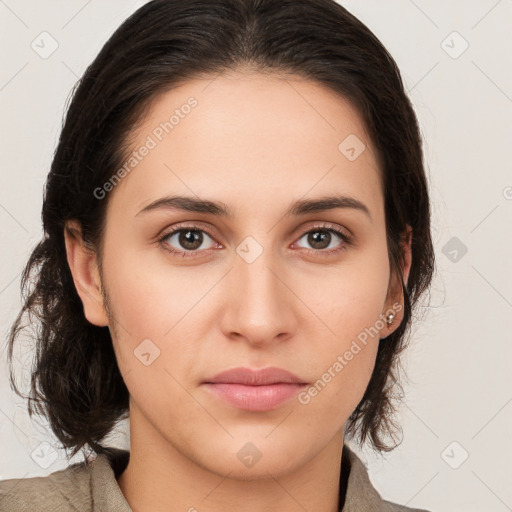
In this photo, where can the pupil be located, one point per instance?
(190, 239)
(318, 238)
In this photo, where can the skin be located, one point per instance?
(257, 143)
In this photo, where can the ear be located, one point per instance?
(83, 264)
(395, 299)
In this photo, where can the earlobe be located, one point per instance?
(82, 262)
(395, 301)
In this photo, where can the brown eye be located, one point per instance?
(324, 239)
(319, 239)
(186, 240)
(190, 240)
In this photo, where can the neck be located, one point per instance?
(161, 477)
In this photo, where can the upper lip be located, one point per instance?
(249, 377)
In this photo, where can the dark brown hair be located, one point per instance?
(75, 381)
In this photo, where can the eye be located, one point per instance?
(187, 241)
(326, 239)
(192, 241)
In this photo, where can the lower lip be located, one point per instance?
(255, 398)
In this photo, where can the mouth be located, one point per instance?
(255, 390)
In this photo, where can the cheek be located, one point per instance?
(350, 297)
(150, 296)
(153, 301)
(348, 303)
(153, 307)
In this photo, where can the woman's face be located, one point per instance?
(268, 284)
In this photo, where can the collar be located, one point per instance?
(360, 495)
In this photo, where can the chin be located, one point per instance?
(254, 457)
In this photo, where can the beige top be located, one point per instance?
(92, 487)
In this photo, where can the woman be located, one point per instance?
(237, 231)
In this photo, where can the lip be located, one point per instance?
(255, 390)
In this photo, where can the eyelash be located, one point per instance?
(347, 241)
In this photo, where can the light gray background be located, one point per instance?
(458, 363)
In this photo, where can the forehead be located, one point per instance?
(240, 137)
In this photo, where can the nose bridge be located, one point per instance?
(260, 285)
(259, 305)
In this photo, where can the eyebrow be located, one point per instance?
(220, 209)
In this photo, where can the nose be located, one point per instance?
(259, 303)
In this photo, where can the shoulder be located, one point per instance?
(362, 495)
(395, 507)
(67, 489)
(84, 486)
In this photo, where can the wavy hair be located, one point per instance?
(75, 380)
